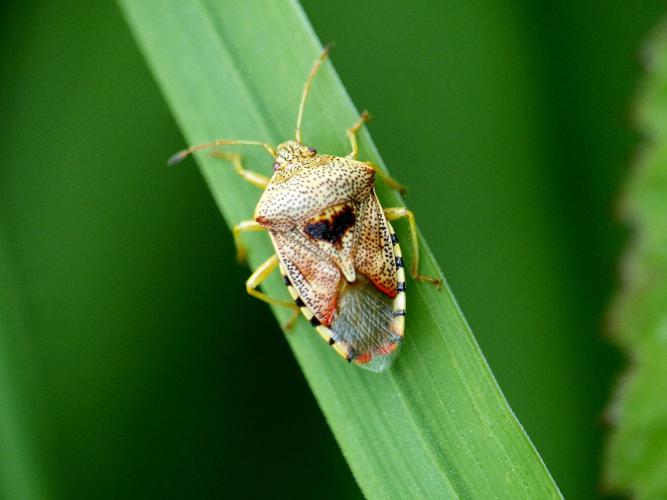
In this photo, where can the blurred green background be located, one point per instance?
(131, 361)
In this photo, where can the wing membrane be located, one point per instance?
(363, 322)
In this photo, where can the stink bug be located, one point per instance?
(336, 249)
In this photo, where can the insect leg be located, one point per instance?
(388, 180)
(258, 277)
(352, 134)
(399, 213)
(245, 226)
(253, 178)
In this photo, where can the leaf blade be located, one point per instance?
(427, 426)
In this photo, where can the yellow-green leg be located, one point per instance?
(256, 180)
(253, 178)
(352, 134)
(258, 277)
(354, 154)
(246, 226)
(387, 179)
(402, 212)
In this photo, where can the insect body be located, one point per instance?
(336, 249)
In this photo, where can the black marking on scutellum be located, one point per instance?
(401, 287)
(399, 261)
(400, 312)
(333, 228)
(299, 302)
(314, 321)
(394, 239)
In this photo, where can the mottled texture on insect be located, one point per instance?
(336, 249)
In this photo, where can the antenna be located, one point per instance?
(306, 89)
(220, 142)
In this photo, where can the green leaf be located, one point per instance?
(637, 451)
(20, 476)
(435, 425)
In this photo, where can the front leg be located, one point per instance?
(352, 134)
(253, 178)
(399, 213)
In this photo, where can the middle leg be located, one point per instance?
(258, 277)
(388, 180)
(354, 154)
(402, 212)
(246, 226)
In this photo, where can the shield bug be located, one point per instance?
(334, 244)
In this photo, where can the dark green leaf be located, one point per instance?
(436, 425)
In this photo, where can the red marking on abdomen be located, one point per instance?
(364, 358)
(389, 292)
(386, 350)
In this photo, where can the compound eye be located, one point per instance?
(276, 166)
(312, 150)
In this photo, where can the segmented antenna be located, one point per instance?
(306, 89)
(220, 142)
